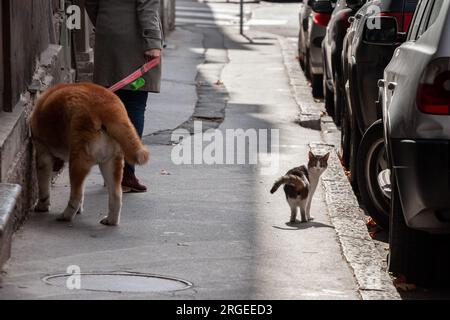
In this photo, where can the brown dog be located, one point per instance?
(84, 124)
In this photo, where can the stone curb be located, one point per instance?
(310, 110)
(9, 196)
(349, 221)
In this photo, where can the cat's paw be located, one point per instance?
(311, 219)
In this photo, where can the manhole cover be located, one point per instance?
(117, 282)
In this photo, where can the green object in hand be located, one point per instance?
(137, 84)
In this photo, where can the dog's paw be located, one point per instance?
(63, 218)
(41, 207)
(105, 221)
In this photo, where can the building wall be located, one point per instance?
(32, 60)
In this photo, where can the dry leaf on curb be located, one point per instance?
(165, 173)
(401, 284)
(218, 83)
(371, 223)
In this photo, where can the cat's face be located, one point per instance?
(317, 163)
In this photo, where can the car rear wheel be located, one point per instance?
(338, 99)
(373, 175)
(355, 139)
(420, 257)
(301, 60)
(317, 85)
(328, 96)
(307, 66)
(345, 139)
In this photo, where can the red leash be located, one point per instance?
(135, 75)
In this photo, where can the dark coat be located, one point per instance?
(124, 30)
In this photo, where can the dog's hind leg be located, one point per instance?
(79, 168)
(112, 171)
(44, 164)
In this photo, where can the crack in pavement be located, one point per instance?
(212, 95)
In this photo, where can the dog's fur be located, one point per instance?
(84, 124)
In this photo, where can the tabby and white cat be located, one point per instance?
(300, 183)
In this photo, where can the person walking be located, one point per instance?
(128, 33)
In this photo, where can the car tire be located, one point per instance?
(307, 66)
(301, 60)
(421, 258)
(345, 139)
(371, 160)
(317, 86)
(354, 141)
(338, 99)
(328, 96)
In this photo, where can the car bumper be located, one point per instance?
(422, 174)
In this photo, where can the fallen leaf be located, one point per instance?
(371, 223)
(165, 173)
(401, 284)
(218, 83)
(182, 244)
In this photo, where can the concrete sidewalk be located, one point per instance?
(215, 226)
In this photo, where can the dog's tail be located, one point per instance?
(291, 179)
(123, 131)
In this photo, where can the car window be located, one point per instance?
(418, 16)
(425, 19)
(410, 5)
(435, 12)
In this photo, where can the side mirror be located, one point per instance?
(354, 3)
(322, 6)
(381, 31)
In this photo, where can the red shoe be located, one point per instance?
(131, 184)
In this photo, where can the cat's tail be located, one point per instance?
(291, 179)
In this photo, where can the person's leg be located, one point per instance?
(135, 103)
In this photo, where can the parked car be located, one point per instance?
(365, 62)
(415, 104)
(333, 87)
(314, 16)
(304, 13)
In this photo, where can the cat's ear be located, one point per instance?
(325, 157)
(311, 155)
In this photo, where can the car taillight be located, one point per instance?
(433, 95)
(321, 19)
(407, 20)
(402, 19)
